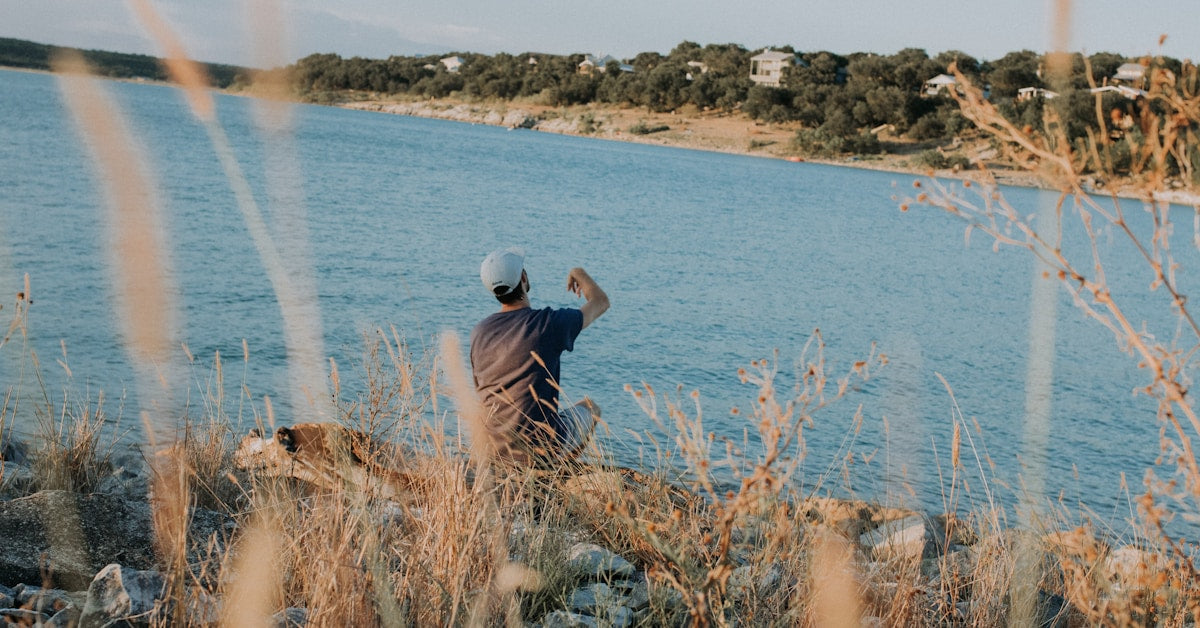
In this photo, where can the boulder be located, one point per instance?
(66, 618)
(21, 617)
(598, 563)
(635, 592)
(591, 598)
(72, 536)
(46, 601)
(754, 580)
(14, 451)
(121, 594)
(15, 478)
(907, 538)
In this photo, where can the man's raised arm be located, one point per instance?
(582, 284)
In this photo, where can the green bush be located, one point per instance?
(818, 142)
(864, 143)
(933, 158)
(927, 127)
(957, 161)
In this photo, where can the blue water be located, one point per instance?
(711, 261)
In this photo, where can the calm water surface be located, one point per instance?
(710, 260)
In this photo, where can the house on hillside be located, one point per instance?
(766, 67)
(592, 64)
(1030, 93)
(1124, 90)
(939, 84)
(452, 64)
(694, 68)
(1132, 74)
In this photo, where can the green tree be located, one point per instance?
(1012, 72)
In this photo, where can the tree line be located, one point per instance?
(19, 53)
(838, 100)
(839, 103)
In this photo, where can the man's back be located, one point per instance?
(515, 357)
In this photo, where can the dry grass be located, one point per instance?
(73, 450)
(473, 546)
(1160, 586)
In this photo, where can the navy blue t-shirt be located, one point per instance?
(517, 388)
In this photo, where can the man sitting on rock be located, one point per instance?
(515, 358)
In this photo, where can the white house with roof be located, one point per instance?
(452, 64)
(593, 63)
(1030, 93)
(1131, 73)
(938, 84)
(766, 67)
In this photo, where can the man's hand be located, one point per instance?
(581, 284)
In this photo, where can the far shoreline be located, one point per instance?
(711, 131)
(722, 132)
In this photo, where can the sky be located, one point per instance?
(219, 31)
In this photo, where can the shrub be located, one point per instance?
(927, 128)
(818, 142)
(933, 158)
(864, 143)
(641, 128)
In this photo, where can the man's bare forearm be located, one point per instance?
(582, 284)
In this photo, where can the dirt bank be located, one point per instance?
(731, 132)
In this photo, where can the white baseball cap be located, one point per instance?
(501, 270)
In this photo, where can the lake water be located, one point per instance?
(710, 260)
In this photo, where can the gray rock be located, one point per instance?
(617, 617)
(635, 592)
(77, 535)
(591, 597)
(565, 619)
(14, 451)
(120, 594)
(953, 568)
(291, 617)
(602, 602)
(66, 618)
(1053, 610)
(129, 475)
(902, 538)
(15, 478)
(21, 616)
(47, 601)
(598, 563)
(754, 580)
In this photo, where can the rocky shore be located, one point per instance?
(723, 132)
(92, 559)
(735, 133)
